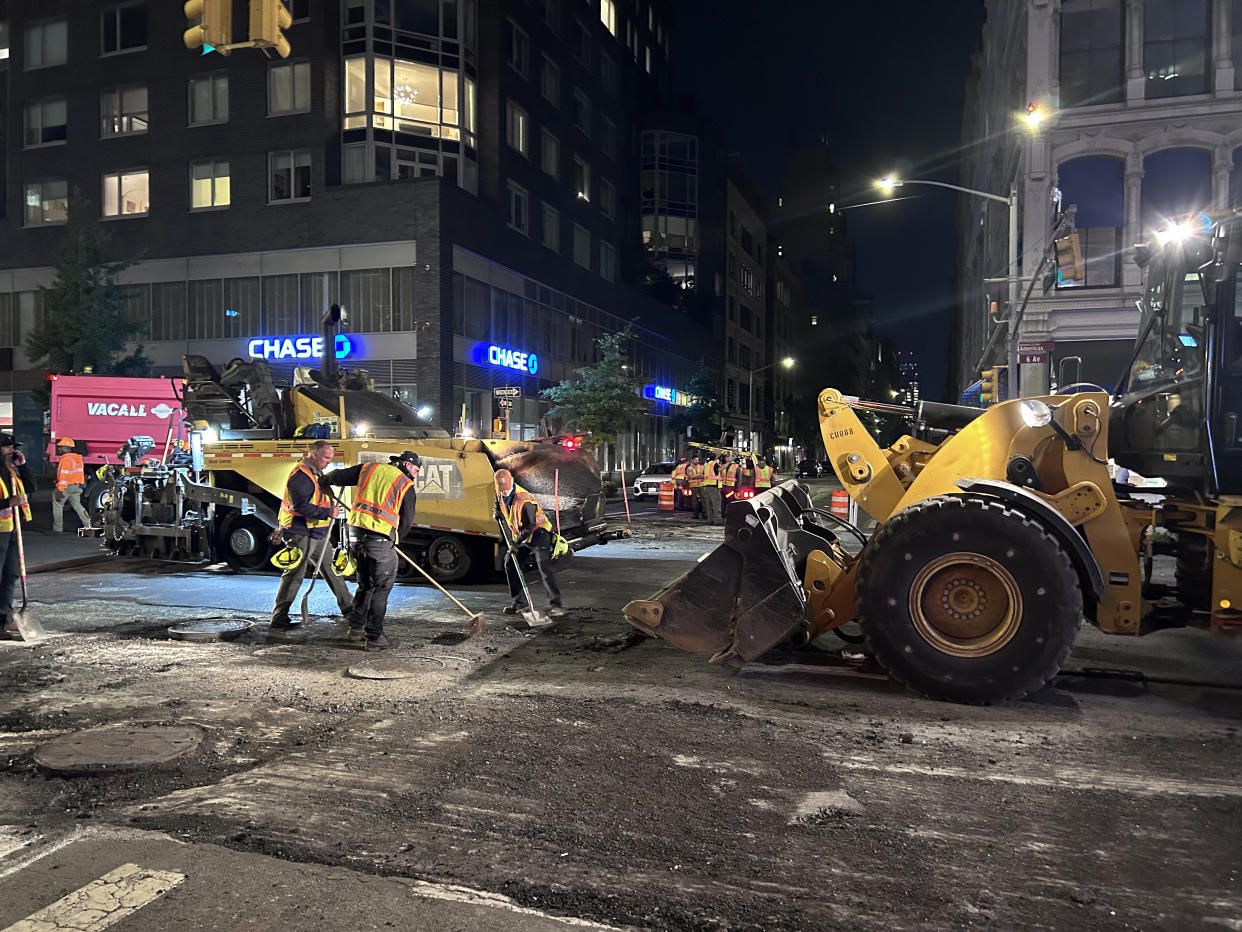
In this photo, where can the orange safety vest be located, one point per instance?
(764, 476)
(70, 471)
(679, 473)
(377, 503)
(731, 474)
(6, 507)
(318, 497)
(711, 474)
(513, 515)
(696, 476)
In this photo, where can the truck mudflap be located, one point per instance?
(746, 595)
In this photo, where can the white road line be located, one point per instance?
(114, 896)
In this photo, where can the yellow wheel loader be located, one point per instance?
(994, 543)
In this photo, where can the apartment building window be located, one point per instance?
(126, 194)
(550, 154)
(743, 355)
(288, 88)
(4, 40)
(45, 122)
(550, 82)
(731, 352)
(584, 44)
(46, 202)
(289, 176)
(607, 262)
(299, 10)
(1177, 47)
(552, 15)
(516, 127)
(209, 184)
(209, 98)
(125, 28)
(47, 44)
(1092, 52)
(519, 208)
(582, 111)
(608, 73)
(519, 50)
(745, 317)
(608, 137)
(551, 228)
(582, 246)
(122, 111)
(582, 179)
(608, 15)
(607, 199)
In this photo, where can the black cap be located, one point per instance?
(8, 440)
(409, 456)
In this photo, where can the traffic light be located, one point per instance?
(214, 27)
(498, 425)
(992, 386)
(1069, 260)
(268, 20)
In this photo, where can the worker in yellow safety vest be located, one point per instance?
(70, 480)
(696, 478)
(728, 485)
(681, 485)
(531, 533)
(765, 475)
(382, 514)
(710, 493)
(15, 478)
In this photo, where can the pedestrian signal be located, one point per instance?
(498, 425)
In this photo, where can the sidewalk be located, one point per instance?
(46, 551)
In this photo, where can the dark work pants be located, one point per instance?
(10, 573)
(291, 579)
(377, 571)
(540, 545)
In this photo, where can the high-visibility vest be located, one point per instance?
(377, 503)
(731, 474)
(15, 483)
(764, 476)
(696, 476)
(319, 497)
(711, 474)
(679, 473)
(513, 514)
(70, 471)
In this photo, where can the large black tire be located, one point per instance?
(242, 543)
(95, 496)
(449, 558)
(967, 599)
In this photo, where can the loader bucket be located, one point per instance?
(746, 595)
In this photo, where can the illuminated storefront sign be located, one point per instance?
(665, 393)
(297, 347)
(503, 357)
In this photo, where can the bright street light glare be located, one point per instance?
(787, 362)
(1033, 116)
(887, 184)
(1173, 234)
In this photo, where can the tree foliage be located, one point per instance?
(703, 416)
(84, 323)
(602, 400)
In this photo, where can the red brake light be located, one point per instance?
(571, 443)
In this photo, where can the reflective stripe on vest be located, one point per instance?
(377, 504)
(70, 471)
(522, 498)
(6, 508)
(711, 474)
(763, 477)
(695, 475)
(318, 497)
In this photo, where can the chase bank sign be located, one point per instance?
(298, 347)
(504, 357)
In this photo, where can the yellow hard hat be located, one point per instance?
(287, 557)
(344, 563)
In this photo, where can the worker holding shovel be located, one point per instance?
(531, 531)
(14, 476)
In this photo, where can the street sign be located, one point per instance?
(507, 391)
(505, 403)
(1033, 352)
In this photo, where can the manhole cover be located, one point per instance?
(116, 748)
(391, 669)
(210, 629)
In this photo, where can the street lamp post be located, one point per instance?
(888, 184)
(787, 362)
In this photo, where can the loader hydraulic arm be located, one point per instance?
(864, 469)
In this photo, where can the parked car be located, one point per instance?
(809, 469)
(648, 481)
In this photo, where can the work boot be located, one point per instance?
(557, 611)
(284, 621)
(515, 607)
(383, 642)
(357, 636)
(11, 631)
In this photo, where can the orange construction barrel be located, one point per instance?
(841, 504)
(667, 496)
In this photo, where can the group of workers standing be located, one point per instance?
(706, 487)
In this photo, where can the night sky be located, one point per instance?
(883, 84)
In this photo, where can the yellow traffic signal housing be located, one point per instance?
(214, 30)
(498, 425)
(1070, 266)
(268, 20)
(990, 389)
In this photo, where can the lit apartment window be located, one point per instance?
(550, 82)
(582, 179)
(289, 176)
(551, 228)
(519, 209)
(209, 184)
(582, 246)
(608, 15)
(582, 111)
(516, 127)
(47, 44)
(46, 202)
(607, 262)
(288, 88)
(209, 98)
(45, 122)
(519, 50)
(123, 110)
(550, 154)
(126, 194)
(125, 28)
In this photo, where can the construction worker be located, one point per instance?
(382, 514)
(531, 532)
(305, 518)
(710, 493)
(745, 475)
(695, 478)
(729, 484)
(765, 475)
(70, 480)
(682, 488)
(15, 479)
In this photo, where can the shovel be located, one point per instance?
(532, 617)
(314, 574)
(29, 627)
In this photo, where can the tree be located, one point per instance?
(702, 416)
(602, 400)
(84, 321)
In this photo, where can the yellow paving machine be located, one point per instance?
(993, 543)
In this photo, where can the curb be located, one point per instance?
(68, 564)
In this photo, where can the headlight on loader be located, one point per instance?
(1035, 413)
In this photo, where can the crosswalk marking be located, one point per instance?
(111, 898)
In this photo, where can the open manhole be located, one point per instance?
(210, 629)
(118, 748)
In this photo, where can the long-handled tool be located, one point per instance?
(478, 620)
(532, 616)
(310, 542)
(29, 627)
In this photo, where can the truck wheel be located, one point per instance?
(95, 497)
(967, 599)
(449, 558)
(242, 543)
